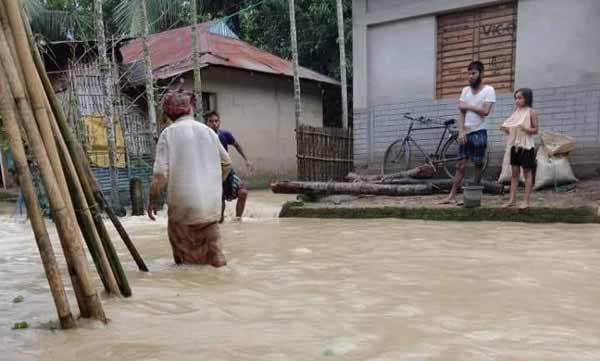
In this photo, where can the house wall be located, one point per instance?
(556, 46)
(557, 55)
(259, 110)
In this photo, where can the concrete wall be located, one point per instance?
(390, 47)
(259, 110)
(556, 46)
(557, 43)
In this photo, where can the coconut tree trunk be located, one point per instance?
(62, 214)
(196, 61)
(148, 68)
(11, 126)
(343, 78)
(350, 188)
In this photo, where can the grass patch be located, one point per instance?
(533, 215)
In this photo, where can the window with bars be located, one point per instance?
(486, 34)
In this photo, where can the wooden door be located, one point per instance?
(486, 34)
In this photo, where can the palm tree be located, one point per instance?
(167, 14)
(60, 20)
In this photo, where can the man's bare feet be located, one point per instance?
(448, 201)
(524, 206)
(509, 205)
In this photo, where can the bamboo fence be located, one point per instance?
(324, 154)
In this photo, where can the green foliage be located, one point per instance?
(57, 20)
(167, 14)
(267, 27)
(20, 325)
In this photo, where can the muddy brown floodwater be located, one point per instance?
(299, 289)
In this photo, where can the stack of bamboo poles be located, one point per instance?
(32, 115)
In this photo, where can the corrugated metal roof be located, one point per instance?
(171, 55)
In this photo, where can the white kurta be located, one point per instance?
(190, 157)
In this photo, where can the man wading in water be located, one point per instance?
(191, 164)
(475, 103)
(233, 187)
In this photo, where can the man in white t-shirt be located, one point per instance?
(192, 164)
(475, 104)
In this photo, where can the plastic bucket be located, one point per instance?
(472, 196)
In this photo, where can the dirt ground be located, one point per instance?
(583, 193)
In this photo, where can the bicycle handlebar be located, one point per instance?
(420, 119)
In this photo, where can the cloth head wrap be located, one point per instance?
(178, 103)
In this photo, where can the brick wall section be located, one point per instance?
(573, 110)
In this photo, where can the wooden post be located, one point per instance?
(148, 67)
(7, 108)
(196, 60)
(62, 215)
(3, 173)
(109, 95)
(137, 196)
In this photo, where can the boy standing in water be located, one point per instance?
(233, 187)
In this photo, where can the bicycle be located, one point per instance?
(398, 156)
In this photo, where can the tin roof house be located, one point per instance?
(250, 88)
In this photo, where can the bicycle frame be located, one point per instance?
(409, 138)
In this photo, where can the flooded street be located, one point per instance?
(302, 289)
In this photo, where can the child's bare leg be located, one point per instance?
(241, 202)
(222, 211)
(514, 184)
(528, 187)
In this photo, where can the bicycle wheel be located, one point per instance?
(397, 157)
(449, 157)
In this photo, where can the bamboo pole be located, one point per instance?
(108, 93)
(343, 77)
(196, 60)
(36, 94)
(11, 125)
(25, 111)
(63, 215)
(295, 65)
(85, 219)
(148, 66)
(11, 40)
(90, 186)
(99, 197)
(83, 214)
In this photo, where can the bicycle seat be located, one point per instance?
(449, 122)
